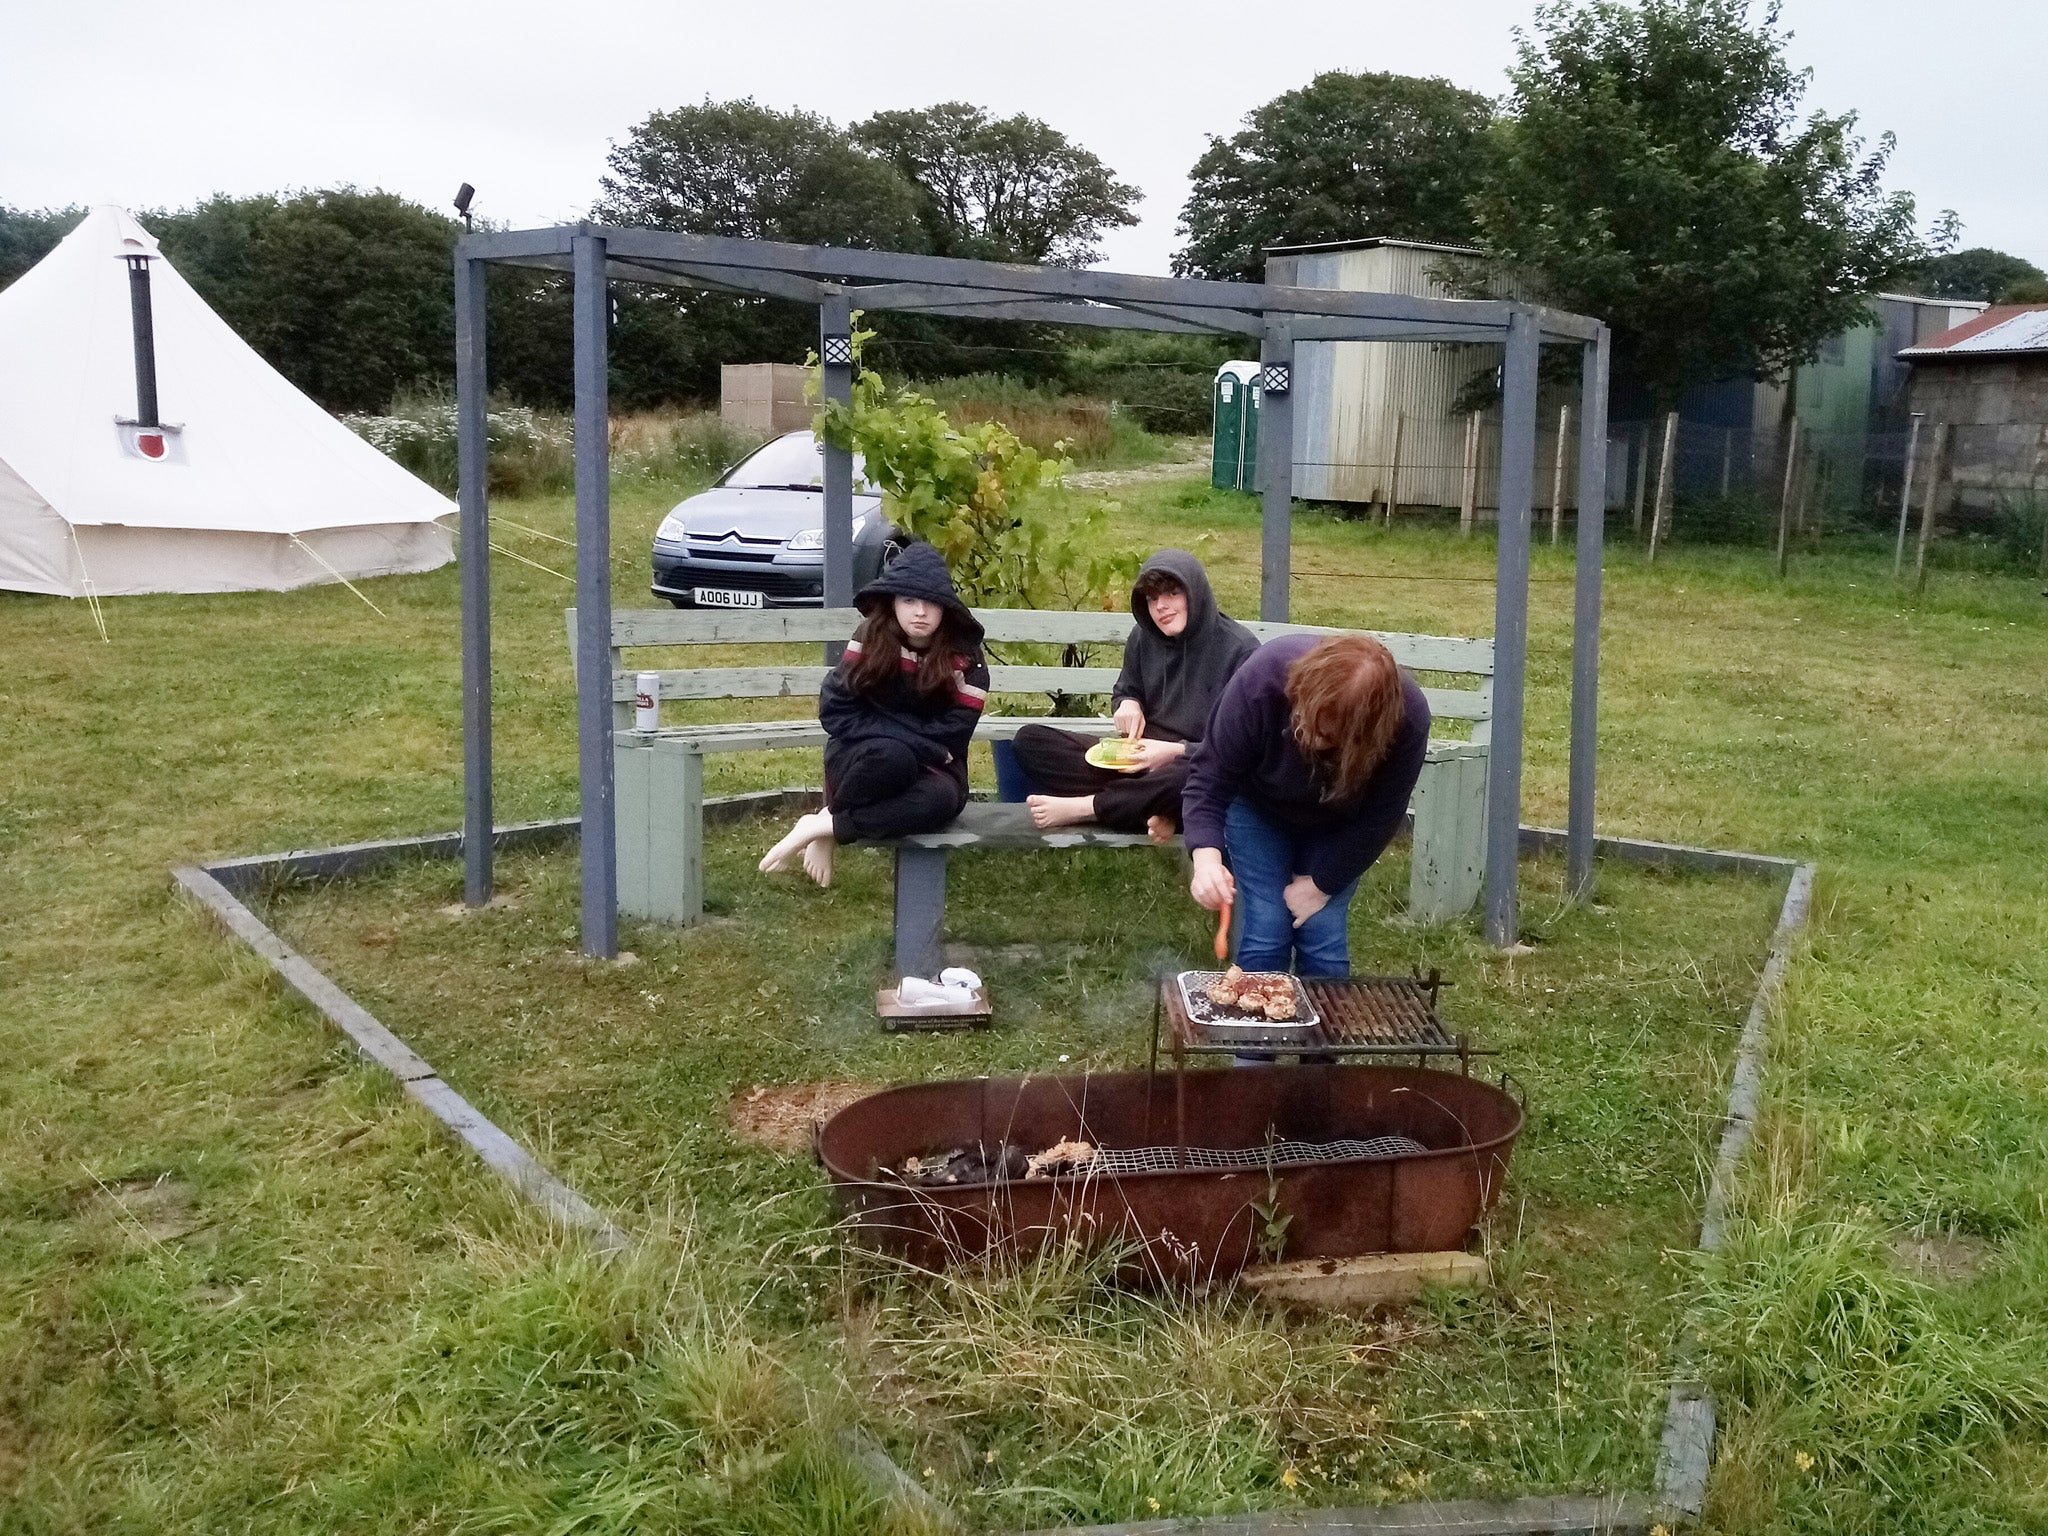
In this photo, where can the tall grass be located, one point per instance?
(1043, 1391)
(532, 453)
(1090, 431)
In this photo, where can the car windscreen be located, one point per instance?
(794, 462)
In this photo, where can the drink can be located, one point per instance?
(647, 702)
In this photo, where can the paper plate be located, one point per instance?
(1113, 753)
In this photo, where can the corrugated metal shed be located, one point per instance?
(1349, 396)
(2001, 331)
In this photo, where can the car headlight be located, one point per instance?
(810, 538)
(671, 529)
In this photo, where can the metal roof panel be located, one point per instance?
(2001, 330)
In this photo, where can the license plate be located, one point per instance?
(725, 597)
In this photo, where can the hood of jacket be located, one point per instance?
(1177, 677)
(1187, 570)
(920, 571)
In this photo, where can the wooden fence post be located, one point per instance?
(1468, 508)
(1394, 469)
(1660, 512)
(1642, 479)
(1942, 432)
(1564, 427)
(1727, 460)
(1785, 493)
(1823, 488)
(2034, 495)
(1906, 495)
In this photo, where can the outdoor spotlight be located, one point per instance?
(463, 194)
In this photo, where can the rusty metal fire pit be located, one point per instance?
(1179, 1220)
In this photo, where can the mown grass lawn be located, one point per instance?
(246, 1287)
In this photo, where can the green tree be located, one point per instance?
(348, 294)
(1978, 273)
(739, 168)
(1651, 168)
(28, 235)
(1014, 189)
(1341, 158)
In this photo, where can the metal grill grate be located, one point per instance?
(1379, 1010)
(1116, 1161)
(1359, 1014)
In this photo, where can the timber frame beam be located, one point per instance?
(1280, 315)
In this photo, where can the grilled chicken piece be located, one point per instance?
(1060, 1157)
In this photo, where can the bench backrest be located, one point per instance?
(639, 628)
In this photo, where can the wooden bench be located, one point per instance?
(659, 775)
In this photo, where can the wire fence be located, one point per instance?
(1980, 490)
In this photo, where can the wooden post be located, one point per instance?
(1642, 478)
(1564, 427)
(1468, 506)
(1727, 460)
(1394, 469)
(1934, 455)
(1660, 513)
(1785, 493)
(1906, 495)
(2034, 495)
(1823, 492)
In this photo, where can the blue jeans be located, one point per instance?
(1264, 856)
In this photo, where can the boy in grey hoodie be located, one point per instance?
(1176, 661)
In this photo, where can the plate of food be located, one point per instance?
(1239, 999)
(1119, 754)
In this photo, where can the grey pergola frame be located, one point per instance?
(841, 281)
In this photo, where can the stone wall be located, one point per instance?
(1998, 408)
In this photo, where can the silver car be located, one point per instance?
(756, 539)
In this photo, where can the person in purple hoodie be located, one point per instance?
(1310, 755)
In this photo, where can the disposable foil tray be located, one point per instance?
(1194, 997)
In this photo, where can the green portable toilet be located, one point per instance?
(1234, 459)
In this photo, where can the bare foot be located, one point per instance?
(1049, 811)
(1160, 830)
(818, 859)
(808, 830)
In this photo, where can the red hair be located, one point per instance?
(1347, 704)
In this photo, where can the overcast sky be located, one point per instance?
(155, 105)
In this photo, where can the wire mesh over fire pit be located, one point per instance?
(1337, 1160)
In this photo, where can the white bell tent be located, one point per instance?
(238, 482)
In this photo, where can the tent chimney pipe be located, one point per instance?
(145, 342)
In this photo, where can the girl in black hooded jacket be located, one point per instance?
(898, 711)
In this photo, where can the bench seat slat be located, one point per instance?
(804, 682)
(1000, 824)
(773, 735)
(779, 735)
(677, 626)
(727, 683)
(1418, 653)
(729, 626)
